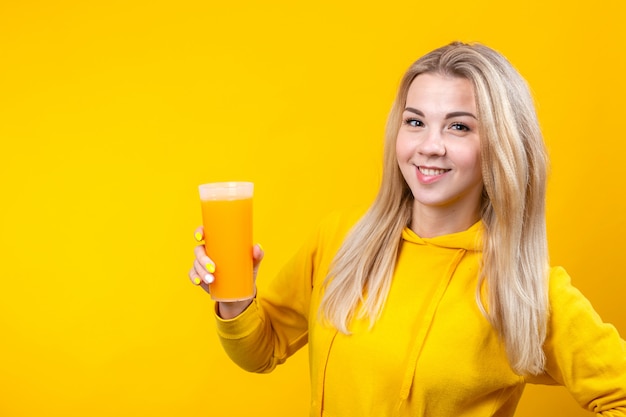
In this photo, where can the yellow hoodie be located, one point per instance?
(432, 352)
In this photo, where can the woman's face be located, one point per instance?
(438, 146)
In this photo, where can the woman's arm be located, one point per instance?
(275, 325)
(583, 353)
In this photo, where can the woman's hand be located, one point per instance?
(202, 274)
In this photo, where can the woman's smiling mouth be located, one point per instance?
(431, 171)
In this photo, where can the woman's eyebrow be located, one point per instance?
(459, 114)
(412, 110)
(448, 116)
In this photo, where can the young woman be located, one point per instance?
(439, 300)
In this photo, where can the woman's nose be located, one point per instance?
(432, 143)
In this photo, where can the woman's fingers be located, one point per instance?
(194, 277)
(257, 256)
(196, 280)
(203, 264)
(204, 271)
(198, 234)
(201, 273)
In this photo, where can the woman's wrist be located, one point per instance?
(230, 310)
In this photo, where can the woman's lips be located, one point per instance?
(428, 175)
(432, 171)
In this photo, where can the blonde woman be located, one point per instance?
(439, 300)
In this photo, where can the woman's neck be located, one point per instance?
(429, 222)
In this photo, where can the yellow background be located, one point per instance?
(112, 112)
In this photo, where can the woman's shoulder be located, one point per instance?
(559, 276)
(559, 284)
(565, 298)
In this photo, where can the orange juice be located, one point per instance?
(227, 219)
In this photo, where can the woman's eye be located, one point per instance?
(459, 126)
(413, 122)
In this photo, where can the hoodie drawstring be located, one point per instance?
(423, 330)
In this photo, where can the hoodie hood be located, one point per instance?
(470, 239)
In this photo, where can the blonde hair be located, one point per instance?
(514, 169)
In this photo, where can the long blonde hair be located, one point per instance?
(514, 169)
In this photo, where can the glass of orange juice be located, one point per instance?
(227, 220)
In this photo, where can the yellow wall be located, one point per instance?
(111, 112)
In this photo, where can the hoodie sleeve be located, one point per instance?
(583, 353)
(275, 325)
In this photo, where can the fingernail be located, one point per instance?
(208, 278)
(198, 236)
(260, 247)
(210, 268)
(197, 280)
